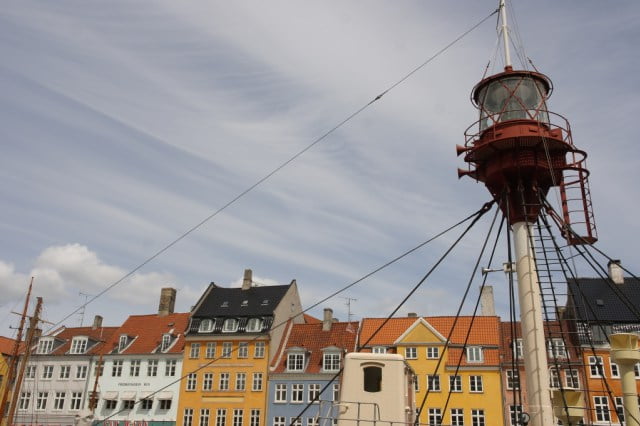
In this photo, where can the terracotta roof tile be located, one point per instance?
(68, 333)
(6, 345)
(311, 320)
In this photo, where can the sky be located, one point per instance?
(124, 124)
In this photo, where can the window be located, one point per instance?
(379, 350)
(336, 392)
(477, 417)
(254, 325)
(152, 368)
(192, 382)
(146, 404)
(297, 390)
(257, 382)
(166, 342)
(571, 377)
(65, 371)
(255, 417)
(45, 345)
(81, 372)
(636, 370)
(295, 362)
(372, 379)
(595, 366)
(58, 400)
(227, 348)
(474, 354)
(619, 409)
(313, 421)
(279, 421)
(211, 350)
(25, 399)
(206, 326)
(230, 325)
(170, 367)
(41, 401)
(281, 393)
(475, 384)
(435, 416)
(455, 383)
(243, 350)
(165, 404)
(411, 352)
(259, 350)
(122, 342)
(433, 382)
(204, 417)
(515, 411)
(207, 381)
(47, 372)
(194, 353)
(221, 417)
(116, 368)
(601, 405)
(314, 392)
(457, 417)
(554, 378)
(30, 372)
(187, 418)
(76, 400)
(416, 384)
(241, 381)
(98, 369)
(556, 348)
(238, 413)
(134, 368)
(433, 352)
(223, 383)
(128, 404)
(513, 379)
(110, 404)
(331, 362)
(518, 350)
(615, 371)
(295, 421)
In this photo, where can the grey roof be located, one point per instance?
(235, 302)
(599, 300)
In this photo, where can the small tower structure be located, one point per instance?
(519, 150)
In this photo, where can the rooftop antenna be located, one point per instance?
(505, 34)
(81, 312)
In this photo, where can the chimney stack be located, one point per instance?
(97, 322)
(487, 305)
(412, 315)
(167, 301)
(615, 271)
(327, 320)
(247, 280)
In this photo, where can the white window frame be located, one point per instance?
(76, 401)
(411, 352)
(65, 372)
(81, 371)
(572, 378)
(152, 368)
(257, 382)
(134, 368)
(243, 349)
(556, 348)
(477, 417)
(434, 417)
(192, 382)
(259, 350)
(210, 351)
(457, 417)
(280, 395)
(513, 379)
(297, 393)
(379, 350)
(45, 345)
(227, 349)
(596, 366)
(170, 367)
(241, 381)
(58, 400)
(194, 350)
(230, 325)
(47, 372)
(601, 408)
(313, 390)
(455, 383)
(254, 325)
(518, 349)
(79, 344)
(433, 383)
(166, 342)
(207, 381)
(295, 361)
(206, 326)
(223, 381)
(476, 381)
(331, 361)
(475, 354)
(433, 352)
(123, 342)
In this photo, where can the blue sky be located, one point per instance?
(124, 124)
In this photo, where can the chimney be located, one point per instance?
(97, 322)
(167, 301)
(615, 271)
(487, 305)
(248, 278)
(327, 319)
(412, 315)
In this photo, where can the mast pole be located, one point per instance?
(505, 34)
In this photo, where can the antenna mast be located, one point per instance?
(505, 34)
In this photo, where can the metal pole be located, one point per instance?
(535, 353)
(505, 34)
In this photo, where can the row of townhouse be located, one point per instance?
(247, 356)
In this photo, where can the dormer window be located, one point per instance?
(475, 354)
(331, 361)
(295, 361)
(245, 303)
(45, 345)
(254, 325)
(230, 325)
(206, 326)
(79, 345)
(265, 302)
(166, 342)
(123, 342)
(225, 304)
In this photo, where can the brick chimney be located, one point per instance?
(167, 301)
(327, 320)
(247, 279)
(615, 271)
(97, 322)
(412, 315)
(487, 305)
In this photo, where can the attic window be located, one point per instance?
(230, 325)
(45, 345)
(78, 345)
(122, 343)
(599, 302)
(166, 341)
(265, 302)
(245, 303)
(254, 325)
(225, 304)
(206, 326)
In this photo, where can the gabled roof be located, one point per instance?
(313, 339)
(599, 300)
(236, 302)
(420, 322)
(146, 331)
(6, 345)
(65, 335)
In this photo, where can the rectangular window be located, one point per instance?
(475, 354)
(457, 417)
(134, 368)
(76, 400)
(518, 349)
(433, 382)
(259, 350)
(211, 350)
(58, 400)
(25, 399)
(477, 417)
(554, 378)
(152, 367)
(187, 418)
(571, 377)
(45, 346)
(238, 413)
(556, 348)
(455, 383)
(243, 350)
(98, 369)
(279, 421)
(78, 345)
(116, 368)
(379, 350)
(619, 409)
(433, 352)
(314, 392)
(435, 417)
(595, 366)
(336, 392)
(194, 352)
(207, 381)
(297, 392)
(295, 421)
(227, 348)
(313, 421)
(81, 372)
(513, 379)
(41, 401)
(204, 417)
(223, 383)
(47, 372)
(170, 367)
(165, 404)
(192, 382)
(30, 372)
(601, 405)
(295, 362)
(146, 404)
(515, 411)
(636, 370)
(331, 362)
(128, 404)
(255, 417)
(475, 384)
(110, 404)
(281, 393)
(221, 417)
(241, 381)
(411, 353)
(615, 371)
(257, 382)
(65, 371)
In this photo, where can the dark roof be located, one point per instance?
(599, 300)
(236, 302)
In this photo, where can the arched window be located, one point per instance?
(230, 325)
(206, 326)
(254, 325)
(372, 379)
